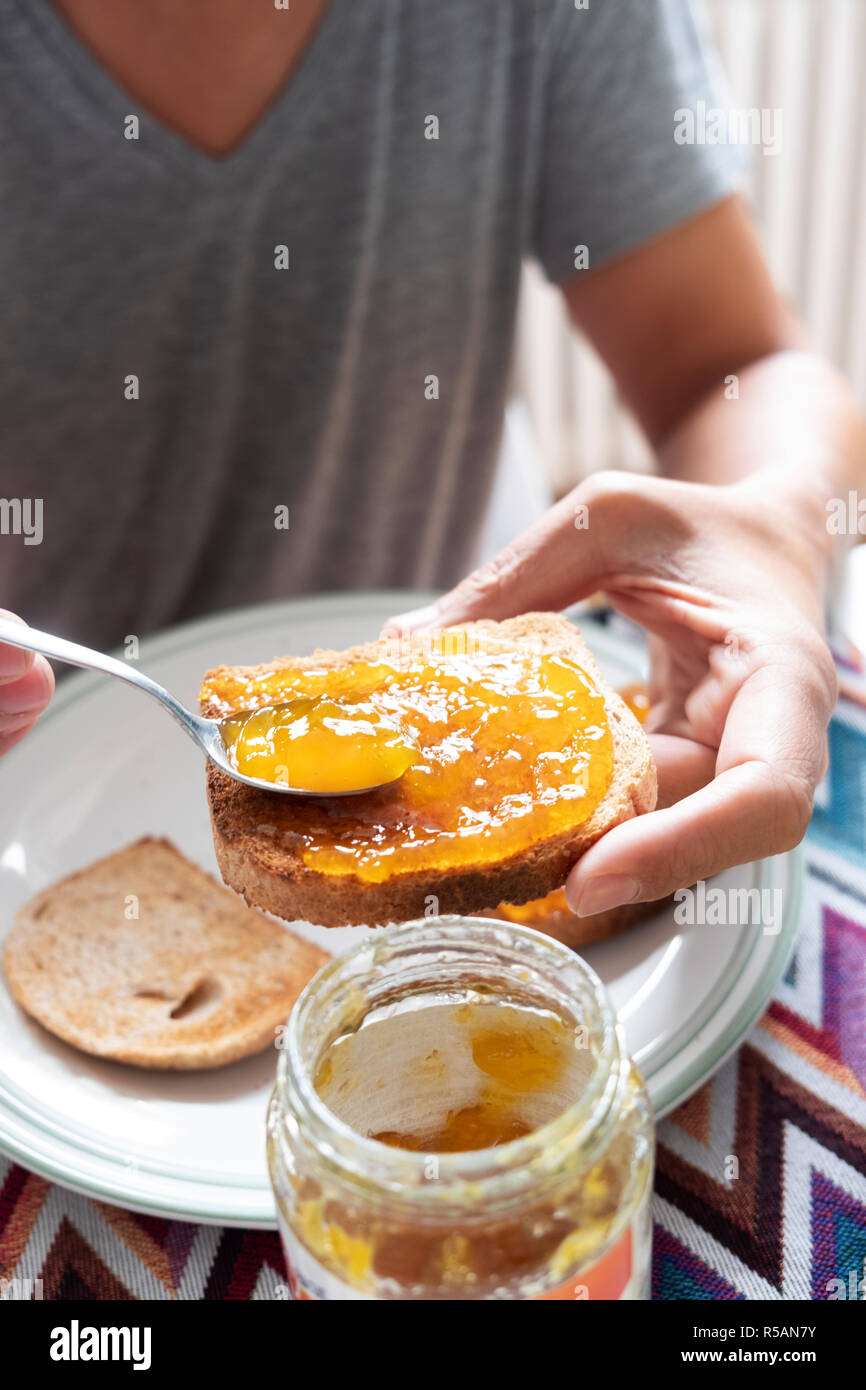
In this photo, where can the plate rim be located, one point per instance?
(707, 1063)
(189, 1198)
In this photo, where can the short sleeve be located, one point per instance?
(613, 168)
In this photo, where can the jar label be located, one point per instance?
(611, 1278)
(607, 1279)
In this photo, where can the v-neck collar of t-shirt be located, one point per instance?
(102, 99)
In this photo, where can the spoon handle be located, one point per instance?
(30, 639)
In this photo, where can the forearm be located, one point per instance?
(792, 431)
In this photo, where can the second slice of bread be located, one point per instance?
(271, 874)
(143, 958)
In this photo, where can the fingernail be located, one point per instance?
(412, 621)
(602, 893)
(14, 663)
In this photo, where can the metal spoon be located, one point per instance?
(207, 733)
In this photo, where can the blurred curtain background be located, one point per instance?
(806, 58)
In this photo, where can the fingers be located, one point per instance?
(29, 694)
(682, 765)
(26, 686)
(14, 663)
(769, 762)
(558, 560)
(746, 813)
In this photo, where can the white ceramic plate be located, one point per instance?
(105, 766)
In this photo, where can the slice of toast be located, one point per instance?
(144, 958)
(262, 864)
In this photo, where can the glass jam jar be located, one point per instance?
(456, 1117)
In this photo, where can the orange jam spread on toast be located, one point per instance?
(508, 747)
(636, 696)
(550, 909)
(319, 744)
(553, 910)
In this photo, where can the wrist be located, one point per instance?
(798, 504)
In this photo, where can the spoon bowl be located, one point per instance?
(206, 733)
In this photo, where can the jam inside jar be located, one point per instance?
(456, 1117)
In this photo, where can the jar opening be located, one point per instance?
(395, 1001)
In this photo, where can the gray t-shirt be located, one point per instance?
(171, 380)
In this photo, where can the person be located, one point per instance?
(260, 266)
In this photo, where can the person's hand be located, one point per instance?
(728, 582)
(26, 686)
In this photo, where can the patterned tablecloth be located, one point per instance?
(789, 1107)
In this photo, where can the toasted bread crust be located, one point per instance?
(271, 876)
(125, 988)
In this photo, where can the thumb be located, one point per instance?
(557, 561)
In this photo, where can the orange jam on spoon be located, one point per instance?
(319, 744)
